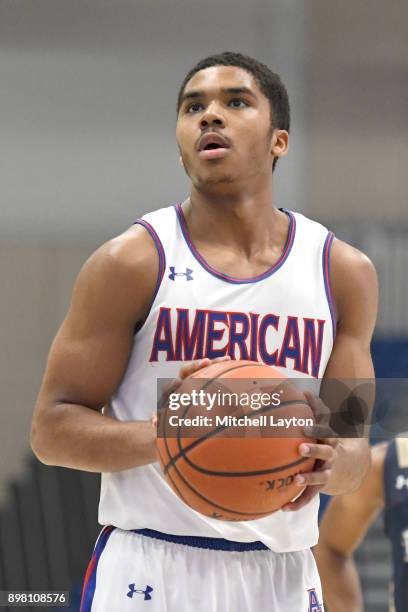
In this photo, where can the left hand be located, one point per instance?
(324, 451)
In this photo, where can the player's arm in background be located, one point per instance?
(344, 524)
(344, 461)
(88, 359)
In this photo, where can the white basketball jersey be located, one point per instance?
(284, 317)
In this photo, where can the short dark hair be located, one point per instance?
(269, 83)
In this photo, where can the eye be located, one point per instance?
(238, 103)
(194, 108)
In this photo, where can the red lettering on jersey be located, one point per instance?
(243, 336)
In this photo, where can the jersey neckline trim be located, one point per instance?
(232, 279)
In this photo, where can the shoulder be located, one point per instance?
(138, 248)
(352, 273)
(354, 281)
(345, 257)
(132, 251)
(123, 271)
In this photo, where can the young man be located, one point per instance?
(226, 273)
(347, 519)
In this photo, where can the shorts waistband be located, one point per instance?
(201, 542)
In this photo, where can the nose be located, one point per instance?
(212, 116)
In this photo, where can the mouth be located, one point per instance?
(213, 146)
(213, 153)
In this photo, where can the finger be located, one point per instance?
(318, 477)
(303, 499)
(325, 452)
(192, 367)
(315, 401)
(171, 386)
(319, 408)
(184, 373)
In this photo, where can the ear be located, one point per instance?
(279, 143)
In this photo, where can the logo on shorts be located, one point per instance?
(188, 273)
(314, 605)
(146, 592)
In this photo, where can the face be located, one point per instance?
(224, 128)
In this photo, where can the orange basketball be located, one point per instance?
(236, 465)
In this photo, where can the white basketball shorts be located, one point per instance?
(149, 571)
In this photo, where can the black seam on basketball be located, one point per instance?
(167, 474)
(221, 428)
(209, 501)
(184, 450)
(280, 468)
(172, 481)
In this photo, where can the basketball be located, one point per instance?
(234, 465)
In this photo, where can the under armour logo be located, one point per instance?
(401, 482)
(146, 592)
(188, 273)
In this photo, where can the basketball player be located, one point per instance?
(347, 519)
(224, 274)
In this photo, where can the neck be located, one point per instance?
(245, 220)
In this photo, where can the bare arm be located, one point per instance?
(88, 358)
(343, 526)
(344, 461)
(355, 289)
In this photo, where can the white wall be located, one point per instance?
(359, 99)
(88, 104)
